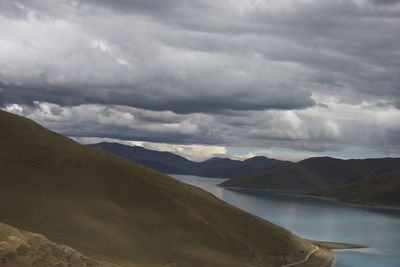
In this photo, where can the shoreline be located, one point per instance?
(337, 245)
(263, 189)
(324, 255)
(331, 247)
(352, 204)
(305, 194)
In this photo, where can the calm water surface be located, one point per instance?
(320, 220)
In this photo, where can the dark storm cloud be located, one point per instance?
(318, 129)
(139, 6)
(255, 73)
(193, 56)
(386, 2)
(207, 99)
(11, 10)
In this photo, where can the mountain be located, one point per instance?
(282, 176)
(338, 171)
(168, 162)
(315, 173)
(383, 190)
(228, 168)
(113, 210)
(165, 162)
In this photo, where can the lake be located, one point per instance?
(321, 220)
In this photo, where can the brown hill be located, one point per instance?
(382, 190)
(283, 176)
(113, 210)
(315, 173)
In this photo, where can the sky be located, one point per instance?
(288, 79)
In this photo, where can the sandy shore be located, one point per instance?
(337, 245)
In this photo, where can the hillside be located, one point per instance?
(338, 171)
(283, 176)
(383, 190)
(315, 173)
(113, 210)
(227, 168)
(170, 163)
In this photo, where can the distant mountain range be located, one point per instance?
(325, 176)
(170, 163)
(315, 174)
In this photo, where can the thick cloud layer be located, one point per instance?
(318, 129)
(304, 74)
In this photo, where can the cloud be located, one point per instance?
(386, 2)
(151, 72)
(318, 129)
(308, 75)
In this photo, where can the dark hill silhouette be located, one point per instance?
(315, 173)
(171, 163)
(165, 162)
(383, 190)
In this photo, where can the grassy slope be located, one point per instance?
(284, 176)
(114, 210)
(381, 190)
(338, 171)
(217, 168)
(315, 173)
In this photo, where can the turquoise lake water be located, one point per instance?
(320, 220)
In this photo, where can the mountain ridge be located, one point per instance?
(170, 163)
(314, 174)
